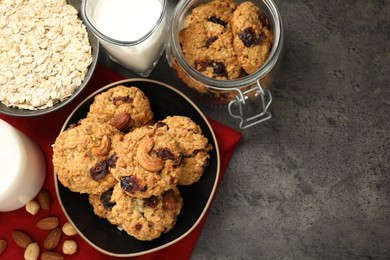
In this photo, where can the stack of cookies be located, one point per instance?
(130, 165)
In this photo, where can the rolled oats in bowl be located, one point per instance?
(46, 55)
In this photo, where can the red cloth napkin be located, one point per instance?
(43, 130)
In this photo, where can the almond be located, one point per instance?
(21, 238)
(122, 121)
(3, 245)
(48, 223)
(32, 251)
(51, 256)
(53, 239)
(44, 199)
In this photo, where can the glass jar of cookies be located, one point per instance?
(226, 52)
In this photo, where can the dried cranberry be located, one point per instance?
(105, 199)
(124, 99)
(112, 161)
(99, 171)
(165, 154)
(211, 40)
(217, 20)
(130, 183)
(151, 201)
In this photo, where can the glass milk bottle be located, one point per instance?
(133, 32)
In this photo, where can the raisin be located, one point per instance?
(218, 67)
(217, 20)
(201, 65)
(161, 124)
(180, 159)
(165, 154)
(151, 202)
(138, 226)
(248, 37)
(264, 20)
(123, 99)
(130, 183)
(99, 171)
(211, 40)
(112, 161)
(105, 199)
(219, 70)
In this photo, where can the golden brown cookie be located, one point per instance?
(124, 107)
(147, 162)
(208, 47)
(81, 156)
(252, 36)
(193, 143)
(217, 11)
(102, 202)
(148, 218)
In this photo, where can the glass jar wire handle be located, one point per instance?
(241, 100)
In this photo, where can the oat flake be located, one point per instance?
(44, 52)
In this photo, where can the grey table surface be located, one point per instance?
(314, 181)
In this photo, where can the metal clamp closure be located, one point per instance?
(242, 99)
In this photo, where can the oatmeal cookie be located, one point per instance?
(124, 107)
(252, 36)
(81, 156)
(102, 202)
(217, 11)
(208, 47)
(194, 145)
(148, 218)
(147, 162)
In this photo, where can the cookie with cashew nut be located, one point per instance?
(147, 162)
(145, 219)
(194, 144)
(82, 156)
(123, 107)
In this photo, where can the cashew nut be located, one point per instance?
(147, 161)
(104, 147)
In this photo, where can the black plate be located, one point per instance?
(105, 237)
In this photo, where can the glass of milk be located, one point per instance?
(23, 168)
(132, 31)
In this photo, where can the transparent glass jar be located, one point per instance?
(237, 93)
